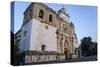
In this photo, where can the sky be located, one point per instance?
(83, 17)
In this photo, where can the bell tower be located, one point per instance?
(63, 15)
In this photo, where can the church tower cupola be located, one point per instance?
(63, 14)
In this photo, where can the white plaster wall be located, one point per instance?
(40, 35)
(37, 35)
(25, 40)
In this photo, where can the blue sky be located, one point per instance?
(83, 17)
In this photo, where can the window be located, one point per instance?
(50, 18)
(43, 48)
(41, 13)
(24, 33)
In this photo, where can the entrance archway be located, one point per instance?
(66, 51)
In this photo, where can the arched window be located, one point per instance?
(50, 18)
(41, 13)
(43, 48)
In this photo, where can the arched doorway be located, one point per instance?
(66, 49)
(43, 47)
(66, 53)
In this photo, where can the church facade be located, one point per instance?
(47, 35)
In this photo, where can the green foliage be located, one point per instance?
(88, 48)
(18, 56)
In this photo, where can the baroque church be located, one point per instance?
(46, 35)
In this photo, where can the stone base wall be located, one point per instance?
(36, 56)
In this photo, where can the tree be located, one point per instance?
(88, 48)
(94, 48)
(19, 56)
